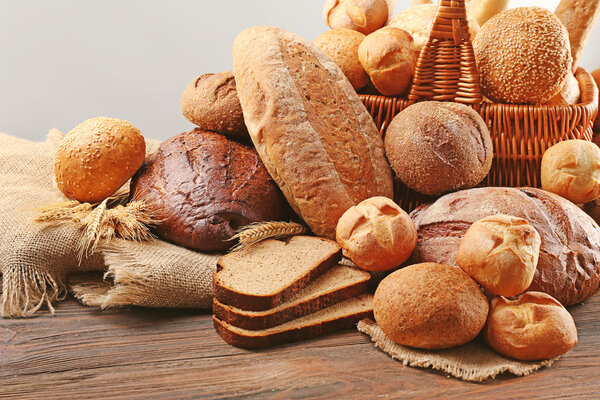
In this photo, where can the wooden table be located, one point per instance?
(145, 353)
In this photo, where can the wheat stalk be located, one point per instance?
(257, 232)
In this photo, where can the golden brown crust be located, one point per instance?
(523, 56)
(437, 147)
(501, 253)
(97, 157)
(389, 57)
(483, 10)
(311, 130)
(578, 16)
(533, 327)
(341, 45)
(430, 306)
(571, 169)
(569, 94)
(364, 16)
(377, 235)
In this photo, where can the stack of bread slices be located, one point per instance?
(279, 291)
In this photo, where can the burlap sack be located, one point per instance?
(35, 259)
(472, 362)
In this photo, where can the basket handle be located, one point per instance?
(446, 68)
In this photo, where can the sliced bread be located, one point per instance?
(339, 283)
(266, 274)
(339, 316)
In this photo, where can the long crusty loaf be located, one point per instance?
(311, 130)
(579, 17)
(268, 273)
(339, 283)
(339, 316)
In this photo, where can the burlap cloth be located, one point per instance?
(36, 260)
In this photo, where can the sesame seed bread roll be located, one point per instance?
(579, 17)
(523, 56)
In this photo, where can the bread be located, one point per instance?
(533, 327)
(211, 102)
(569, 263)
(430, 306)
(436, 147)
(97, 157)
(417, 21)
(376, 234)
(338, 284)
(337, 317)
(482, 10)
(266, 274)
(364, 16)
(389, 57)
(569, 94)
(311, 130)
(571, 169)
(523, 56)
(579, 17)
(420, 2)
(204, 186)
(501, 253)
(341, 45)
(596, 76)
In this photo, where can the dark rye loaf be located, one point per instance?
(569, 263)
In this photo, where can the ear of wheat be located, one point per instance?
(260, 231)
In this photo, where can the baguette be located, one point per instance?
(579, 16)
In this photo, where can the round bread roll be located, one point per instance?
(97, 157)
(533, 327)
(203, 187)
(364, 16)
(430, 306)
(417, 21)
(571, 169)
(501, 253)
(596, 76)
(569, 94)
(341, 45)
(523, 56)
(437, 147)
(376, 234)
(211, 102)
(389, 57)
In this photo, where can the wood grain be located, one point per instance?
(145, 353)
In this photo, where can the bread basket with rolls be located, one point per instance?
(447, 70)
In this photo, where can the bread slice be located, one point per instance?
(339, 316)
(268, 273)
(339, 283)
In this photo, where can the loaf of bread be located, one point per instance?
(569, 263)
(377, 235)
(389, 57)
(341, 45)
(532, 327)
(437, 147)
(571, 169)
(211, 102)
(523, 56)
(204, 186)
(364, 16)
(579, 17)
(97, 157)
(430, 306)
(311, 130)
(501, 253)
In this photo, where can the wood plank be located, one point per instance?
(147, 353)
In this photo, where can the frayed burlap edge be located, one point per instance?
(473, 362)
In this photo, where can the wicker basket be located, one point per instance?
(446, 70)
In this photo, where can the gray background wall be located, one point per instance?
(63, 61)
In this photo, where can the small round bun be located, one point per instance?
(97, 157)
(341, 45)
(430, 306)
(533, 327)
(501, 253)
(211, 102)
(436, 147)
(389, 57)
(364, 16)
(523, 55)
(569, 94)
(376, 234)
(571, 169)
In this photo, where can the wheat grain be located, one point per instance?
(260, 231)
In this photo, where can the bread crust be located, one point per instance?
(579, 17)
(364, 16)
(311, 130)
